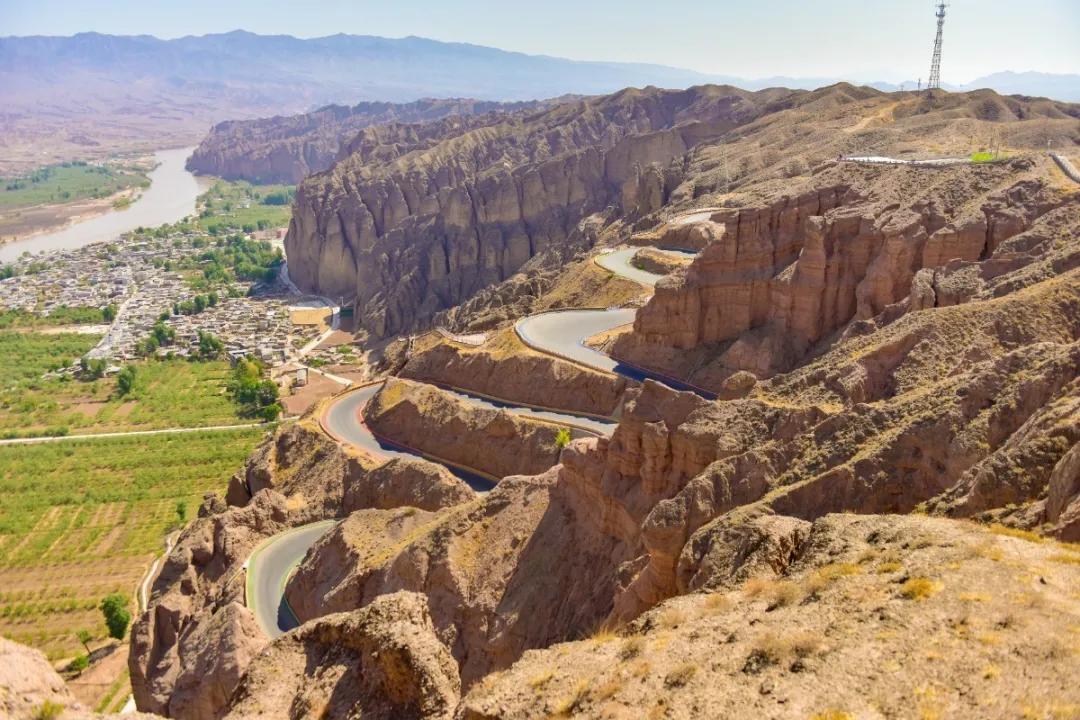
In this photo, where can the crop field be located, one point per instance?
(67, 182)
(25, 356)
(59, 317)
(238, 204)
(82, 518)
(166, 394)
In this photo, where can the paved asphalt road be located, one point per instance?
(563, 333)
(268, 570)
(619, 263)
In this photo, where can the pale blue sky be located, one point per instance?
(868, 40)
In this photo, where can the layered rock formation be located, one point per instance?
(425, 418)
(781, 278)
(887, 343)
(286, 149)
(419, 229)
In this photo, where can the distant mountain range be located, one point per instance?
(92, 93)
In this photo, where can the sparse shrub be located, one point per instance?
(918, 588)
(631, 648)
(681, 675)
(538, 681)
(824, 576)
(577, 698)
(717, 603)
(772, 649)
(671, 617)
(80, 663)
(888, 567)
(562, 438)
(776, 593)
(608, 689)
(48, 710)
(604, 633)
(831, 714)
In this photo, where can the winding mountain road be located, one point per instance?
(621, 263)
(268, 569)
(562, 333)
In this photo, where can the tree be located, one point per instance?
(80, 663)
(562, 437)
(93, 368)
(117, 616)
(181, 511)
(85, 636)
(108, 313)
(270, 413)
(210, 346)
(125, 380)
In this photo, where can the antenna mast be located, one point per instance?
(935, 64)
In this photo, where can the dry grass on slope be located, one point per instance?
(881, 616)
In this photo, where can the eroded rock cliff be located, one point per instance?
(286, 149)
(418, 232)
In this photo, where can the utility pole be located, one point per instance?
(935, 63)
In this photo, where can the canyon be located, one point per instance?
(842, 477)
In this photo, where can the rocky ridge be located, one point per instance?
(286, 149)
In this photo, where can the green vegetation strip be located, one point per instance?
(67, 182)
(162, 393)
(80, 520)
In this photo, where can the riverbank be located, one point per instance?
(170, 197)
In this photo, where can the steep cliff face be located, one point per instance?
(423, 230)
(777, 280)
(286, 149)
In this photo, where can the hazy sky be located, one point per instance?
(856, 39)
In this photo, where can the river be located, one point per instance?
(170, 197)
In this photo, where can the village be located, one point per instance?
(148, 278)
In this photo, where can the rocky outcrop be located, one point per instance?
(28, 681)
(503, 567)
(659, 263)
(845, 630)
(192, 646)
(30, 689)
(425, 418)
(405, 482)
(195, 627)
(425, 230)
(387, 663)
(506, 369)
(286, 149)
(782, 278)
